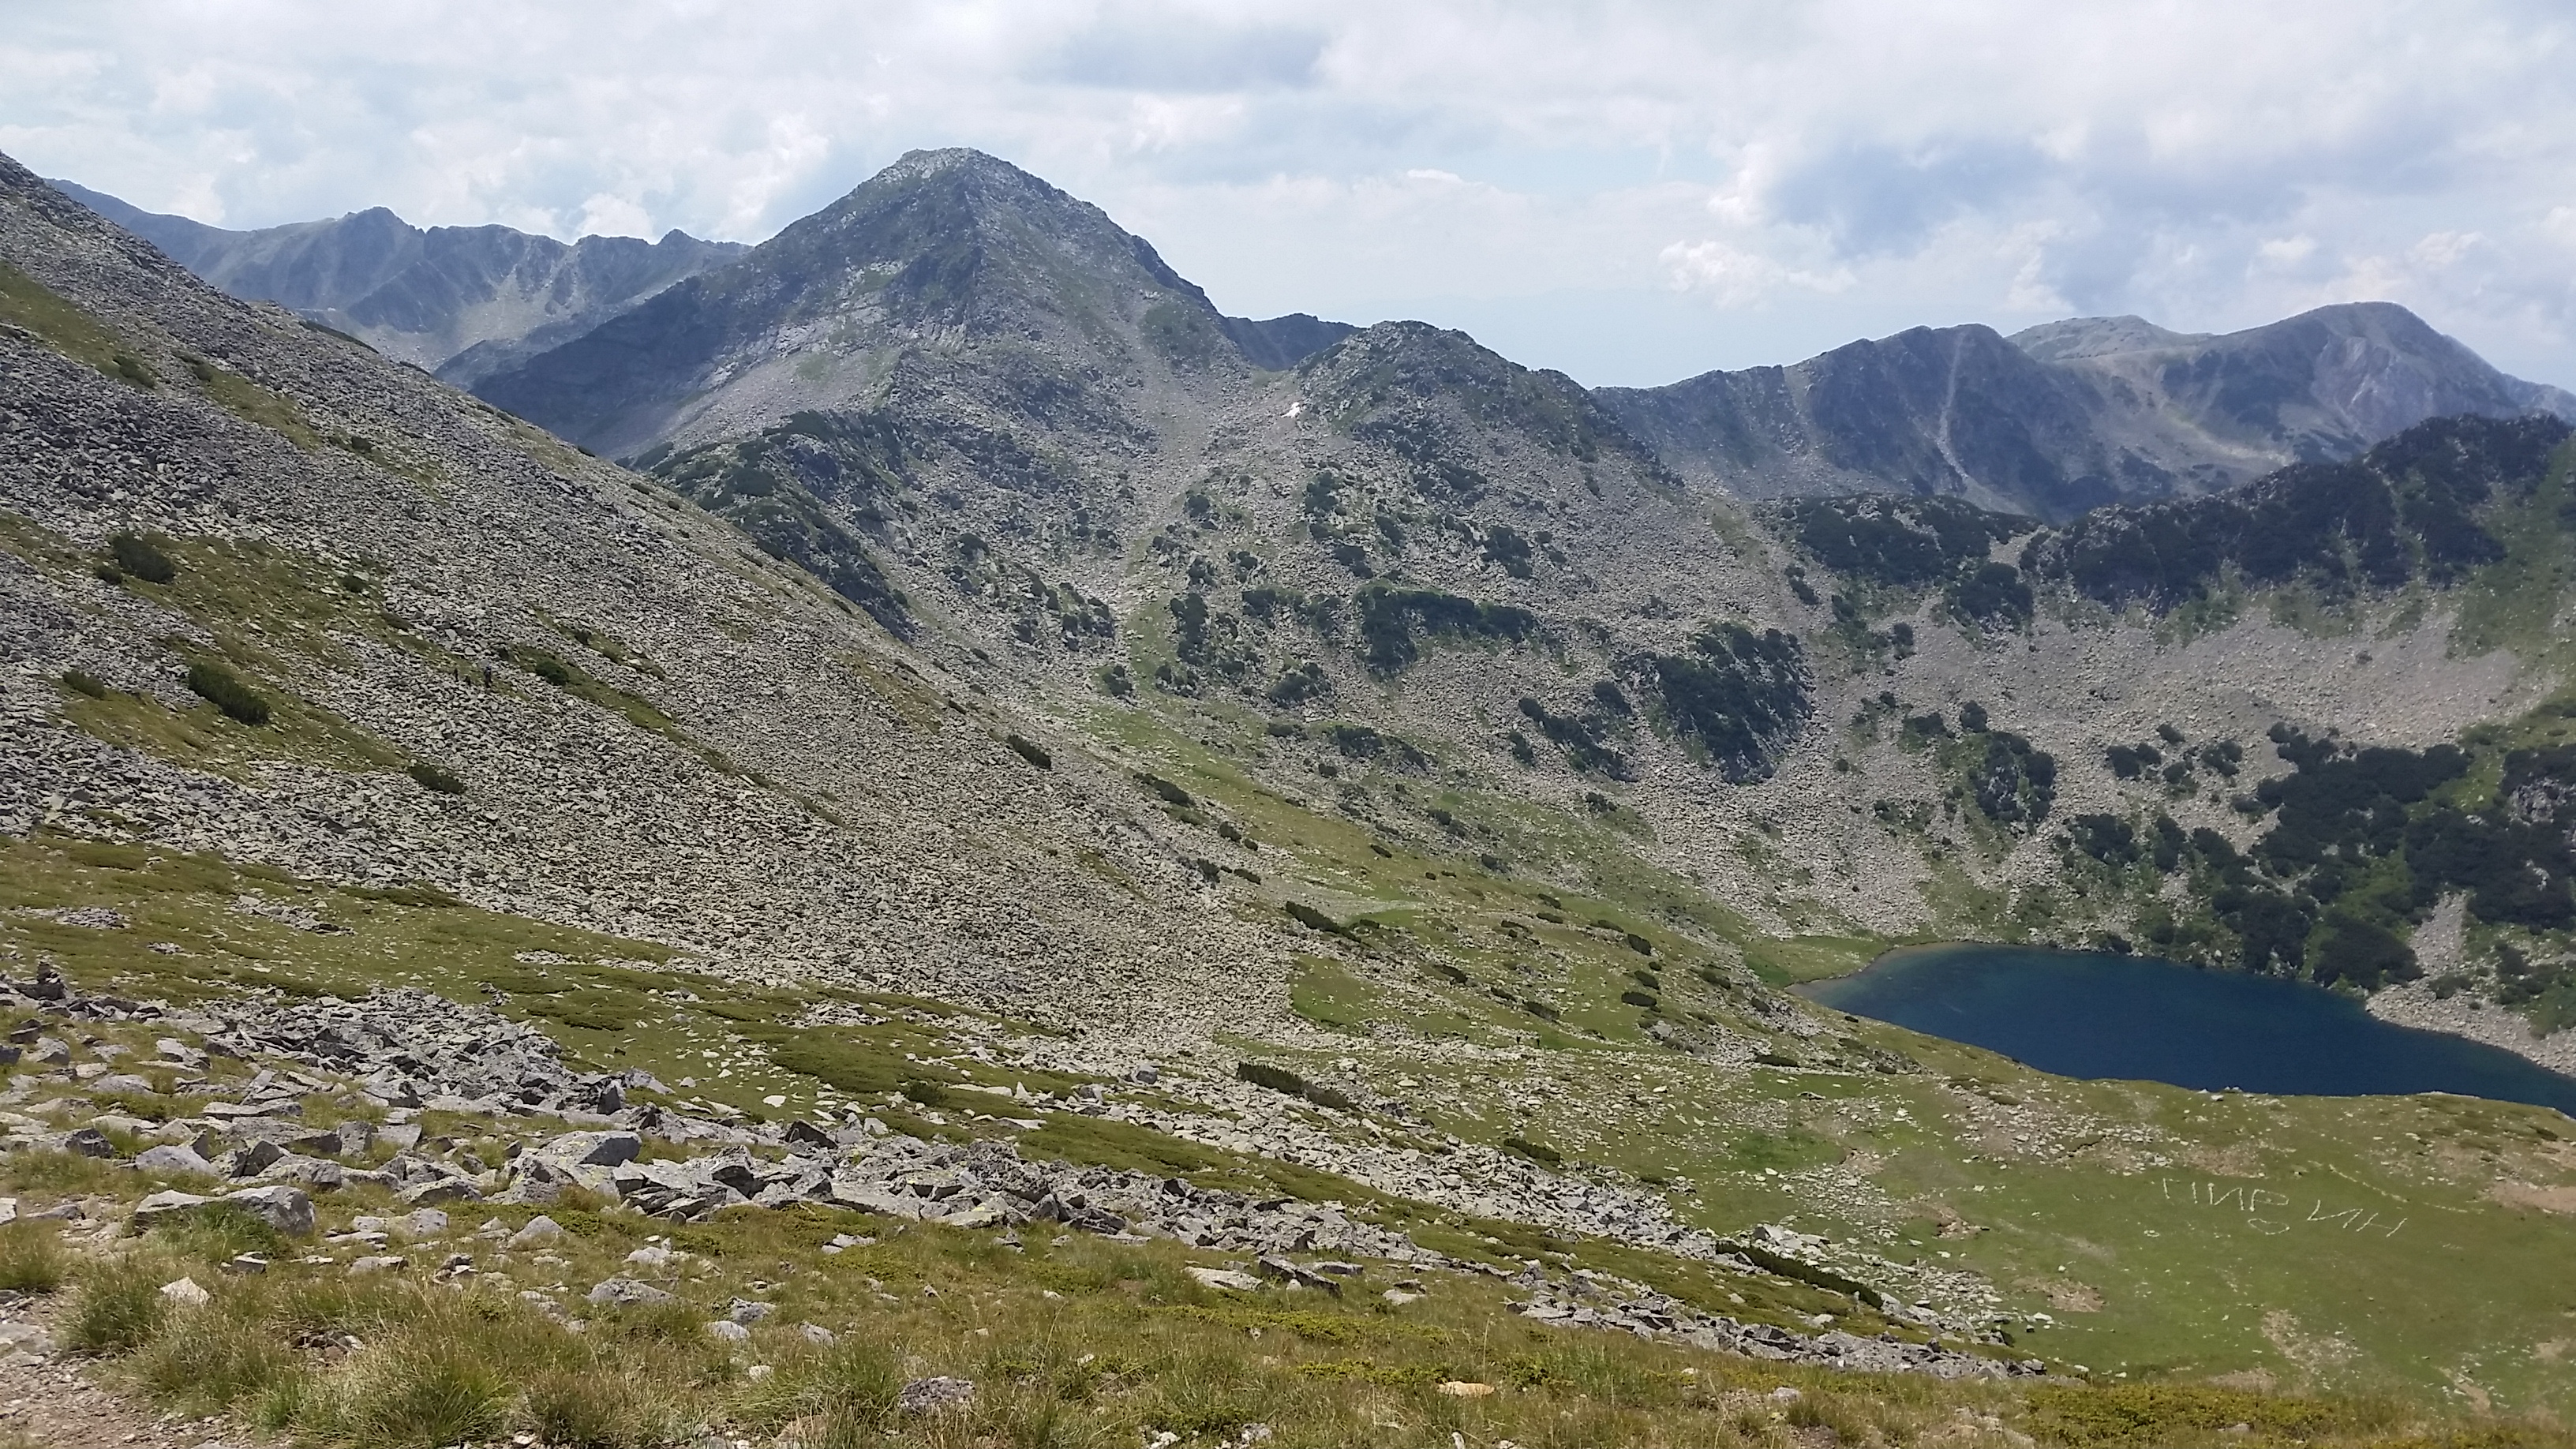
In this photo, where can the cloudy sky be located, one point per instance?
(1632, 192)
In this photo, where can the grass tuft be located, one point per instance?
(32, 1258)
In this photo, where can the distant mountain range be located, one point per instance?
(461, 302)
(625, 345)
(2072, 415)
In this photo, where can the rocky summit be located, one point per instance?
(913, 835)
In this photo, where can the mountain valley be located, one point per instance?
(1000, 711)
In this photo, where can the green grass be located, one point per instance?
(1072, 1342)
(65, 327)
(1811, 958)
(255, 404)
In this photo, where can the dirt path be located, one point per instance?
(48, 1402)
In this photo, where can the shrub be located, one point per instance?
(431, 777)
(1306, 915)
(1029, 751)
(31, 1258)
(1538, 1152)
(1276, 1079)
(1165, 790)
(225, 691)
(1639, 999)
(81, 681)
(139, 558)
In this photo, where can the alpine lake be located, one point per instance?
(2095, 1015)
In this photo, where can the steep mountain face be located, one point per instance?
(2071, 415)
(949, 274)
(954, 353)
(462, 302)
(397, 576)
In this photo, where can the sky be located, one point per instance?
(1629, 192)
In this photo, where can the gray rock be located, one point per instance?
(925, 1395)
(172, 1158)
(252, 1158)
(1233, 1278)
(284, 1208)
(746, 1310)
(426, 1223)
(88, 1142)
(186, 1293)
(444, 1189)
(626, 1292)
(728, 1330)
(540, 1231)
(591, 1149)
(165, 1207)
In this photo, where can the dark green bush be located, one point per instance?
(81, 681)
(1538, 1152)
(1276, 1079)
(1306, 915)
(1029, 751)
(1169, 793)
(225, 691)
(1640, 1000)
(431, 777)
(139, 558)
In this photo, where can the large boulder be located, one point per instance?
(172, 1158)
(287, 1209)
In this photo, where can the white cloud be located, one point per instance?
(1835, 165)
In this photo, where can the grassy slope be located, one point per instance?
(1071, 1340)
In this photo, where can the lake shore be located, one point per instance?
(2475, 1018)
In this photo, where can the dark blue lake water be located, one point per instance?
(2085, 1014)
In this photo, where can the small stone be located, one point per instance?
(1465, 1389)
(426, 1223)
(88, 1142)
(247, 1264)
(816, 1333)
(728, 1331)
(924, 1395)
(1786, 1395)
(1397, 1297)
(757, 1372)
(748, 1311)
(1233, 1278)
(186, 1294)
(539, 1231)
(375, 1263)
